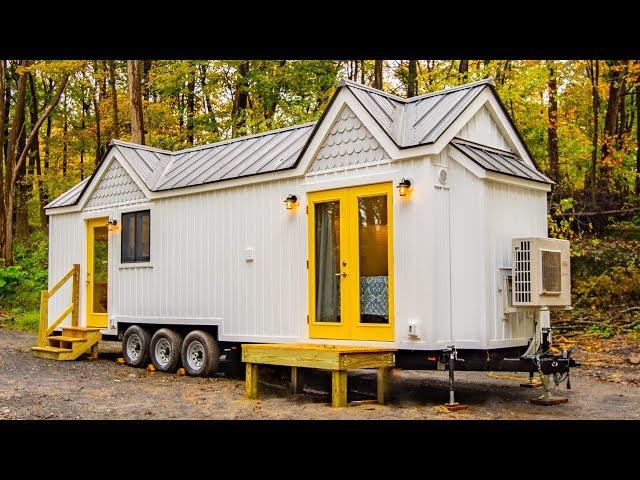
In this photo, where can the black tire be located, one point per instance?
(200, 354)
(165, 350)
(135, 346)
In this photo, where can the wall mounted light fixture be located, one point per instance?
(403, 187)
(290, 201)
(112, 225)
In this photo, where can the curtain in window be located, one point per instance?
(327, 258)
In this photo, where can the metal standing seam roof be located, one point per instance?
(499, 161)
(408, 122)
(417, 120)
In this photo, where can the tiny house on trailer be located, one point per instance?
(418, 224)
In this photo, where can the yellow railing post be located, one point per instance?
(44, 317)
(43, 329)
(75, 294)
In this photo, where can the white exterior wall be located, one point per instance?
(484, 130)
(66, 247)
(512, 212)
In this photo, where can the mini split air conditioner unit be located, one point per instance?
(541, 272)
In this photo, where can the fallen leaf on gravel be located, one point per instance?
(634, 359)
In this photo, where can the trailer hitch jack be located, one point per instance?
(452, 353)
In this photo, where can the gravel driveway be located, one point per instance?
(33, 388)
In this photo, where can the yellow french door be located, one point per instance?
(97, 272)
(351, 263)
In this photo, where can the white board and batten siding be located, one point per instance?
(483, 129)
(450, 239)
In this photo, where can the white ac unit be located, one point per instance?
(541, 272)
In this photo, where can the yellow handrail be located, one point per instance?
(44, 328)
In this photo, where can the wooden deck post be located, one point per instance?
(44, 318)
(296, 380)
(95, 352)
(251, 381)
(75, 295)
(338, 388)
(382, 380)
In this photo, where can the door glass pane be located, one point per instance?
(100, 269)
(374, 260)
(327, 261)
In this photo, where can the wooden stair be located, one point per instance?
(73, 342)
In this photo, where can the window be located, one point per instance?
(135, 237)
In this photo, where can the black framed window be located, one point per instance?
(136, 235)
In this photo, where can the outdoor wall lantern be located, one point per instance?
(403, 187)
(290, 201)
(112, 225)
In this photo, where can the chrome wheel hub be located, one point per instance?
(195, 355)
(134, 347)
(163, 351)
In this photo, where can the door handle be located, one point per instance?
(343, 274)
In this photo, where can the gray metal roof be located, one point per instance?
(417, 120)
(499, 161)
(265, 152)
(409, 122)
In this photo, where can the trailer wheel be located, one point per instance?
(165, 350)
(135, 346)
(200, 354)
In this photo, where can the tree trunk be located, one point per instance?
(134, 79)
(617, 72)
(593, 70)
(35, 152)
(191, 104)
(377, 74)
(552, 129)
(463, 71)
(114, 98)
(96, 109)
(412, 79)
(23, 189)
(638, 139)
(3, 102)
(240, 100)
(13, 143)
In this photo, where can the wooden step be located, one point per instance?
(51, 349)
(63, 338)
(81, 329)
(78, 332)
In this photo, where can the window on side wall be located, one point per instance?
(135, 237)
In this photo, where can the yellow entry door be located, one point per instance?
(97, 272)
(351, 263)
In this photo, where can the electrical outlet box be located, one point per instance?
(249, 254)
(414, 328)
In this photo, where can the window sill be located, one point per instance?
(129, 266)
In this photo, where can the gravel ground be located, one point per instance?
(33, 388)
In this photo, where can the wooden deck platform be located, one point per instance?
(337, 358)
